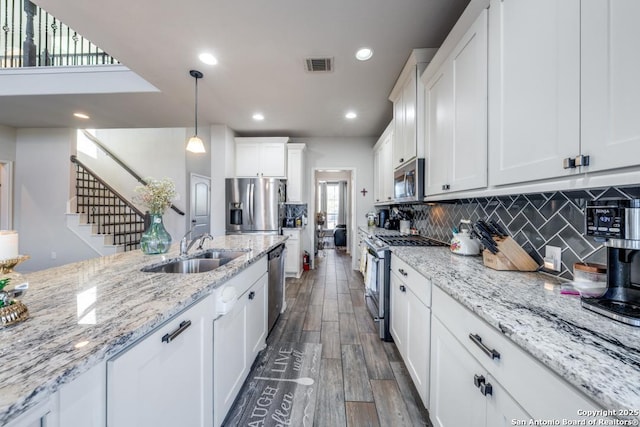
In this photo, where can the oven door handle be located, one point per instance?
(376, 259)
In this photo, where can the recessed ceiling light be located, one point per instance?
(208, 58)
(258, 117)
(351, 115)
(364, 53)
(81, 116)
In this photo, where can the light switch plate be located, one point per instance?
(552, 258)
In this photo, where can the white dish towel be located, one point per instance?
(363, 258)
(371, 275)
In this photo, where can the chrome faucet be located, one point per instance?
(185, 245)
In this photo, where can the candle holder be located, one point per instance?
(12, 311)
(7, 265)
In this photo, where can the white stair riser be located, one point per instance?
(100, 243)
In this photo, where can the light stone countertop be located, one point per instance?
(106, 302)
(597, 355)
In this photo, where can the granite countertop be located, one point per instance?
(597, 355)
(83, 313)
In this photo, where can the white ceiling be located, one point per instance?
(261, 46)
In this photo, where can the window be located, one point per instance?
(332, 201)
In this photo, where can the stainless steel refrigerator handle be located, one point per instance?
(251, 203)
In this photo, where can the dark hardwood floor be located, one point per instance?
(362, 380)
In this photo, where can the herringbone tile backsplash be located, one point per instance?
(533, 220)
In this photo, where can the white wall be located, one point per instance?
(341, 153)
(7, 143)
(222, 166)
(42, 180)
(7, 160)
(151, 153)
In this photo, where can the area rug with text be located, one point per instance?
(280, 389)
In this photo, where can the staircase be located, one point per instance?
(104, 219)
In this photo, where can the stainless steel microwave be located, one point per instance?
(408, 182)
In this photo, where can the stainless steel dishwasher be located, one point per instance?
(276, 284)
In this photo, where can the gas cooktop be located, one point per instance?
(407, 240)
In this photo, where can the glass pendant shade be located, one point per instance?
(195, 145)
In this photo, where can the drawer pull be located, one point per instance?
(477, 340)
(401, 271)
(252, 295)
(478, 380)
(403, 288)
(172, 336)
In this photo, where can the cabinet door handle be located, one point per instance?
(477, 340)
(172, 335)
(403, 288)
(486, 389)
(401, 160)
(252, 295)
(582, 160)
(478, 380)
(401, 271)
(568, 163)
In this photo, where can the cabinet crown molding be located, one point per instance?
(466, 20)
(421, 57)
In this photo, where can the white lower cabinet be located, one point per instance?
(165, 379)
(43, 414)
(410, 322)
(293, 259)
(462, 392)
(238, 336)
(477, 368)
(82, 402)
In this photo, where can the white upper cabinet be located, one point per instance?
(383, 167)
(408, 104)
(261, 157)
(534, 88)
(456, 115)
(610, 57)
(295, 172)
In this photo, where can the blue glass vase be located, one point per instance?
(155, 239)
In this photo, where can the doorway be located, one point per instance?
(333, 206)
(200, 206)
(6, 195)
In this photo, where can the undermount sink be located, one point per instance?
(201, 263)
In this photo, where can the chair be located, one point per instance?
(340, 235)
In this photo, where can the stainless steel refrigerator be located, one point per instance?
(254, 205)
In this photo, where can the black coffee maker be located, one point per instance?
(618, 222)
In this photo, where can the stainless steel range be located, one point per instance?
(377, 279)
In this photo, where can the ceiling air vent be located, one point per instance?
(319, 65)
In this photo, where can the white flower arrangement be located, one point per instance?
(157, 195)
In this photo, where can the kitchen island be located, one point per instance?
(596, 355)
(84, 313)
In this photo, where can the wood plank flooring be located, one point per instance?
(362, 380)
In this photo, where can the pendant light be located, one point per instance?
(195, 144)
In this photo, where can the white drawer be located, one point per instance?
(243, 281)
(419, 285)
(541, 392)
(293, 234)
